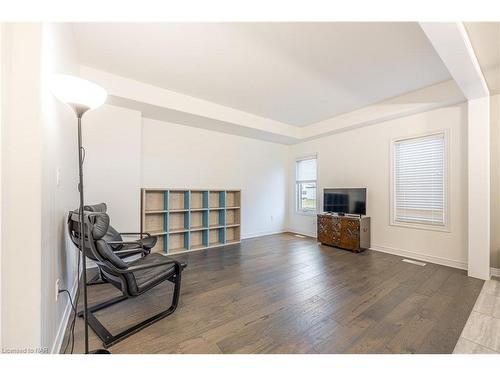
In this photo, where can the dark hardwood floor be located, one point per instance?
(284, 294)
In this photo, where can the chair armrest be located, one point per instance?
(135, 234)
(123, 243)
(152, 265)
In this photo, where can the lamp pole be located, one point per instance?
(82, 229)
(80, 111)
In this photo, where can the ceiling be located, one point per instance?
(485, 40)
(295, 73)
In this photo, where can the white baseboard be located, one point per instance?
(409, 254)
(61, 330)
(495, 272)
(261, 234)
(422, 257)
(312, 235)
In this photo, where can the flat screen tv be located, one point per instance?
(345, 201)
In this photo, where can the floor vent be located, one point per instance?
(414, 262)
(299, 235)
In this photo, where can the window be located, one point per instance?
(305, 176)
(419, 181)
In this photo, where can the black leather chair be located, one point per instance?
(140, 245)
(132, 279)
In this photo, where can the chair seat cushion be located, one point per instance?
(146, 279)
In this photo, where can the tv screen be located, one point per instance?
(345, 201)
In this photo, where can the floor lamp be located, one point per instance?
(82, 96)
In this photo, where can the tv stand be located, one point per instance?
(345, 232)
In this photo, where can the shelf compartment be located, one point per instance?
(233, 198)
(217, 199)
(199, 199)
(154, 200)
(178, 242)
(217, 218)
(216, 236)
(233, 235)
(178, 200)
(178, 221)
(199, 239)
(155, 223)
(159, 247)
(199, 219)
(232, 217)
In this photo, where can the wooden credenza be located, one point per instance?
(345, 232)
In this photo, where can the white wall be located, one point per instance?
(21, 187)
(38, 138)
(361, 158)
(2, 121)
(59, 152)
(495, 180)
(185, 157)
(112, 167)
(479, 187)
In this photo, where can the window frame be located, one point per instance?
(445, 227)
(298, 210)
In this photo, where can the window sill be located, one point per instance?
(306, 213)
(434, 228)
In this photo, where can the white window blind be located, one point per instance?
(305, 181)
(419, 180)
(306, 170)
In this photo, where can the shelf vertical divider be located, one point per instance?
(143, 211)
(206, 218)
(208, 215)
(187, 219)
(166, 224)
(223, 198)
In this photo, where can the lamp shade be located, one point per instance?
(77, 92)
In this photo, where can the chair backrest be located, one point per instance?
(112, 234)
(75, 235)
(100, 207)
(96, 225)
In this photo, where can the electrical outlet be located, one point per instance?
(58, 176)
(57, 288)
